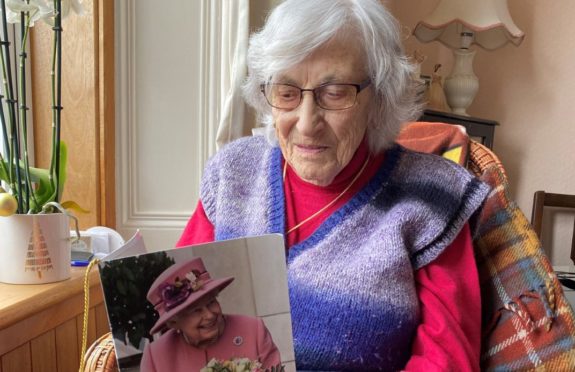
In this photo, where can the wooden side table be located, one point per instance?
(482, 129)
(41, 325)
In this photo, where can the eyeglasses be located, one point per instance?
(330, 96)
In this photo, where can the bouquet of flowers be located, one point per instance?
(238, 365)
(233, 365)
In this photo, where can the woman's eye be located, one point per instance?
(333, 92)
(193, 311)
(287, 94)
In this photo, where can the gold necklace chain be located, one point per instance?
(331, 202)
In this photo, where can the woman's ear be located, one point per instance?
(172, 323)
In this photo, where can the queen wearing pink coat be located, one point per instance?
(197, 334)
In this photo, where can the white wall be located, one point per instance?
(169, 92)
(167, 112)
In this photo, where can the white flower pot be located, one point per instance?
(35, 248)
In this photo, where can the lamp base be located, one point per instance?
(462, 85)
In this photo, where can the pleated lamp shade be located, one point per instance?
(489, 20)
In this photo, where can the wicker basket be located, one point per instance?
(101, 356)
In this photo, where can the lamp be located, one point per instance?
(458, 24)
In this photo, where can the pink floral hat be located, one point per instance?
(179, 286)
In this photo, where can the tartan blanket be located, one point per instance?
(527, 322)
(447, 140)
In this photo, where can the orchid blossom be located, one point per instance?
(40, 10)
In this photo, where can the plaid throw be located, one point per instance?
(527, 322)
(446, 140)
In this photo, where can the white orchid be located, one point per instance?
(37, 9)
(75, 5)
(40, 10)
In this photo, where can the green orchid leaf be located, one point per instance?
(45, 191)
(3, 175)
(73, 206)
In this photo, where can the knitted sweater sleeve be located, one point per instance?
(449, 336)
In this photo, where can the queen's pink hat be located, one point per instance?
(180, 286)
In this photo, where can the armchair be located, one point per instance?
(527, 322)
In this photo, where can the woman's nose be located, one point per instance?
(308, 114)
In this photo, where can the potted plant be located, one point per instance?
(34, 232)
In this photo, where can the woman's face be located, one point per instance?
(202, 323)
(319, 143)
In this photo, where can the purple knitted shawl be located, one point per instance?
(352, 295)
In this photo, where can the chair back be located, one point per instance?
(481, 158)
(542, 199)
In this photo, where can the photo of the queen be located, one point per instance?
(195, 333)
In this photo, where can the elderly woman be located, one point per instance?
(198, 333)
(381, 269)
